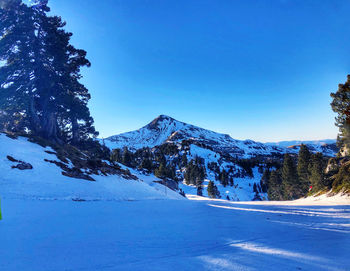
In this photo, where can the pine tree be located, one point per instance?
(231, 181)
(40, 91)
(199, 184)
(184, 160)
(116, 155)
(194, 170)
(216, 192)
(341, 106)
(291, 185)
(127, 157)
(303, 168)
(223, 178)
(146, 164)
(255, 189)
(317, 172)
(211, 190)
(275, 187)
(160, 172)
(264, 180)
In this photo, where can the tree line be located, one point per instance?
(297, 176)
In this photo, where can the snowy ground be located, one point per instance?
(135, 225)
(171, 235)
(45, 180)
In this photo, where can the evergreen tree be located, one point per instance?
(223, 178)
(216, 192)
(317, 172)
(160, 172)
(184, 160)
(255, 189)
(341, 106)
(275, 188)
(194, 170)
(211, 190)
(290, 181)
(127, 157)
(264, 180)
(116, 155)
(199, 184)
(303, 168)
(40, 89)
(231, 181)
(146, 164)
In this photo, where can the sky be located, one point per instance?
(260, 70)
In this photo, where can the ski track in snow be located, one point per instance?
(171, 235)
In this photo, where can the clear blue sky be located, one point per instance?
(259, 69)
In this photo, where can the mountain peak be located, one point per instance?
(163, 117)
(154, 124)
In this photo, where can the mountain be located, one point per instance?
(326, 146)
(165, 129)
(306, 142)
(186, 154)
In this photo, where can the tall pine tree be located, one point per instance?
(290, 181)
(341, 106)
(303, 168)
(316, 168)
(40, 92)
(275, 187)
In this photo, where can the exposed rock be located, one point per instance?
(23, 166)
(12, 159)
(77, 174)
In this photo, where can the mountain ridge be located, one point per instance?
(165, 129)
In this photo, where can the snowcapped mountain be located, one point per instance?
(326, 146)
(287, 144)
(165, 129)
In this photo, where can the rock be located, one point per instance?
(77, 174)
(23, 166)
(12, 159)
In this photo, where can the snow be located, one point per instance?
(137, 225)
(166, 129)
(298, 142)
(243, 187)
(241, 191)
(172, 235)
(45, 180)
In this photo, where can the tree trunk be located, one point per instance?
(75, 131)
(34, 118)
(50, 129)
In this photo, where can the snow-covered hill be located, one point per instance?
(286, 144)
(327, 146)
(166, 129)
(45, 179)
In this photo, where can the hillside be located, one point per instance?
(46, 181)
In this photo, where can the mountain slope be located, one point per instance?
(45, 179)
(165, 129)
